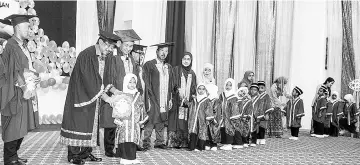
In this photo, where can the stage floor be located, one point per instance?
(44, 148)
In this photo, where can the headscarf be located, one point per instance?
(349, 98)
(187, 69)
(200, 97)
(212, 91)
(245, 79)
(127, 79)
(233, 89)
(210, 80)
(243, 90)
(337, 97)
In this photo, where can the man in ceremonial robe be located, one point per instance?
(17, 113)
(117, 65)
(157, 76)
(80, 126)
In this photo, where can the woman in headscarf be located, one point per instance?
(229, 109)
(336, 105)
(247, 80)
(349, 118)
(184, 88)
(208, 74)
(275, 117)
(127, 135)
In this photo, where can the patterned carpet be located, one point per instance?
(44, 148)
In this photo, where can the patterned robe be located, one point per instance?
(215, 107)
(328, 114)
(243, 123)
(128, 130)
(229, 108)
(256, 114)
(198, 112)
(294, 111)
(336, 110)
(266, 108)
(319, 109)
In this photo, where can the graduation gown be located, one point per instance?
(153, 96)
(294, 111)
(319, 109)
(266, 108)
(337, 108)
(177, 119)
(199, 111)
(80, 125)
(215, 107)
(257, 114)
(17, 113)
(328, 114)
(114, 74)
(242, 124)
(229, 109)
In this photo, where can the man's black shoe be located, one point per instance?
(161, 146)
(92, 158)
(77, 161)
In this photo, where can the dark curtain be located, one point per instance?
(175, 30)
(348, 65)
(106, 13)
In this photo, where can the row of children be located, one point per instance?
(236, 119)
(331, 114)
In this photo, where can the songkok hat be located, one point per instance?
(109, 36)
(261, 83)
(298, 90)
(16, 19)
(127, 35)
(254, 85)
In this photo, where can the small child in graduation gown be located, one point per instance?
(328, 114)
(256, 115)
(214, 118)
(294, 112)
(336, 110)
(265, 100)
(228, 109)
(199, 112)
(241, 123)
(349, 115)
(319, 112)
(127, 135)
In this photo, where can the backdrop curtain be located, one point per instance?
(106, 12)
(265, 41)
(348, 64)
(87, 28)
(244, 38)
(175, 30)
(355, 5)
(224, 15)
(199, 33)
(283, 39)
(334, 34)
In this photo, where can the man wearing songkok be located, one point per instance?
(18, 78)
(265, 100)
(80, 126)
(294, 112)
(117, 65)
(199, 113)
(157, 75)
(256, 115)
(229, 110)
(319, 110)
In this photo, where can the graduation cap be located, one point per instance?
(127, 35)
(298, 90)
(16, 19)
(261, 83)
(162, 45)
(109, 36)
(139, 48)
(254, 85)
(6, 22)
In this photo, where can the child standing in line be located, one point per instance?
(294, 112)
(256, 114)
(265, 100)
(319, 109)
(212, 121)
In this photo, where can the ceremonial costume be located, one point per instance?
(256, 116)
(184, 83)
(267, 108)
(319, 112)
(18, 115)
(337, 108)
(294, 112)
(349, 113)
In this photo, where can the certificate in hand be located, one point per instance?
(123, 105)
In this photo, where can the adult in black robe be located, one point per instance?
(17, 113)
(184, 82)
(157, 76)
(80, 126)
(116, 67)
